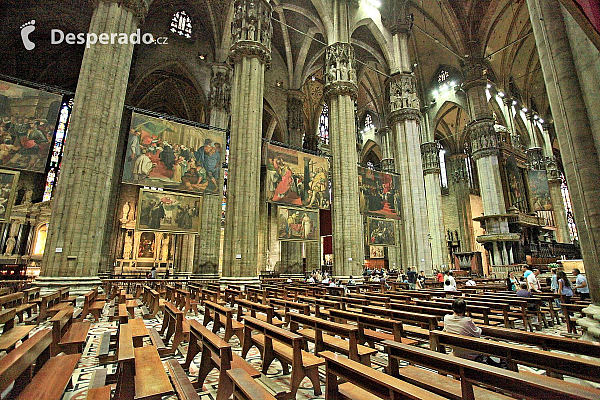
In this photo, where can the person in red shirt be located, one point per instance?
(440, 276)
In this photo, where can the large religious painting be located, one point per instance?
(376, 251)
(8, 190)
(297, 224)
(296, 178)
(170, 155)
(381, 232)
(168, 212)
(515, 184)
(28, 121)
(539, 191)
(379, 193)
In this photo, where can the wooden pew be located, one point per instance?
(545, 342)
(175, 325)
(567, 310)
(501, 312)
(184, 301)
(140, 372)
(371, 329)
(7, 317)
(363, 382)
(92, 304)
(231, 295)
(51, 375)
(274, 342)
(286, 305)
(17, 302)
(32, 295)
(155, 303)
(555, 364)
(471, 373)
(321, 306)
(313, 329)
(68, 336)
(216, 353)
(11, 334)
(181, 383)
(222, 317)
(408, 318)
(348, 303)
(257, 310)
(245, 388)
(479, 314)
(50, 304)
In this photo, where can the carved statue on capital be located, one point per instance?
(295, 112)
(552, 169)
(536, 159)
(220, 90)
(430, 157)
(139, 8)
(340, 70)
(252, 30)
(484, 139)
(403, 92)
(458, 169)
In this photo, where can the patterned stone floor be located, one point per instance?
(275, 381)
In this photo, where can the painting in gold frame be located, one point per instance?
(381, 232)
(168, 212)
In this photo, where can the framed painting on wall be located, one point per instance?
(379, 193)
(381, 232)
(168, 212)
(8, 191)
(297, 224)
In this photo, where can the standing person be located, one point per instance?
(440, 276)
(412, 277)
(421, 280)
(554, 281)
(581, 284)
(451, 278)
(533, 284)
(527, 271)
(448, 286)
(511, 282)
(564, 287)
(153, 273)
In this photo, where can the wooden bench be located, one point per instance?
(319, 307)
(479, 314)
(283, 307)
(274, 342)
(373, 329)
(499, 312)
(222, 316)
(140, 372)
(51, 375)
(567, 310)
(92, 304)
(175, 325)
(471, 373)
(409, 319)
(49, 305)
(17, 302)
(11, 334)
(65, 297)
(259, 311)
(68, 336)
(313, 329)
(184, 301)
(231, 295)
(360, 382)
(554, 363)
(155, 303)
(245, 388)
(216, 353)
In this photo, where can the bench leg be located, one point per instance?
(225, 386)
(313, 375)
(193, 349)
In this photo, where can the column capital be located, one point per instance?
(295, 116)
(457, 170)
(553, 170)
(340, 70)
(220, 87)
(403, 25)
(139, 8)
(485, 140)
(536, 159)
(251, 30)
(404, 100)
(388, 165)
(430, 157)
(475, 72)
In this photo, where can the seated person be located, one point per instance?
(448, 286)
(523, 291)
(457, 323)
(351, 281)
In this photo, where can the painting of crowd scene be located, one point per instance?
(28, 120)
(8, 185)
(168, 212)
(298, 224)
(173, 156)
(539, 190)
(379, 193)
(381, 232)
(296, 178)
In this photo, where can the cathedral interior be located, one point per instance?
(344, 134)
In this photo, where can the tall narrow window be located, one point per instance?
(568, 208)
(443, 176)
(62, 130)
(324, 125)
(369, 122)
(181, 24)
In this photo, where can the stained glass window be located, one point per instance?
(370, 165)
(443, 75)
(568, 208)
(369, 122)
(324, 125)
(443, 177)
(181, 24)
(60, 137)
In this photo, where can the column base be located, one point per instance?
(591, 323)
(78, 285)
(239, 280)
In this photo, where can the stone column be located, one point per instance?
(291, 257)
(208, 243)
(458, 185)
(430, 154)
(341, 91)
(250, 53)
(558, 205)
(575, 137)
(313, 255)
(80, 209)
(388, 165)
(295, 117)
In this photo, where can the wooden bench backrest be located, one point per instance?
(61, 322)
(7, 317)
(272, 332)
(290, 305)
(472, 372)
(15, 363)
(405, 316)
(245, 387)
(254, 307)
(11, 300)
(369, 321)
(31, 294)
(219, 349)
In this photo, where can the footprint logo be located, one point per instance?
(26, 29)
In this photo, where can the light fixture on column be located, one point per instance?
(501, 94)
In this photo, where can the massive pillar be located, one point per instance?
(405, 120)
(208, 242)
(340, 92)
(80, 210)
(458, 186)
(388, 165)
(291, 257)
(485, 142)
(430, 154)
(575, 137)
(250, 54)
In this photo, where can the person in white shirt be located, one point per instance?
(471, 282)
(332, 284)
(452, 280)
(311, 280)
(533, 284)
(448, 286)
(325, 280)
(457, 323)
